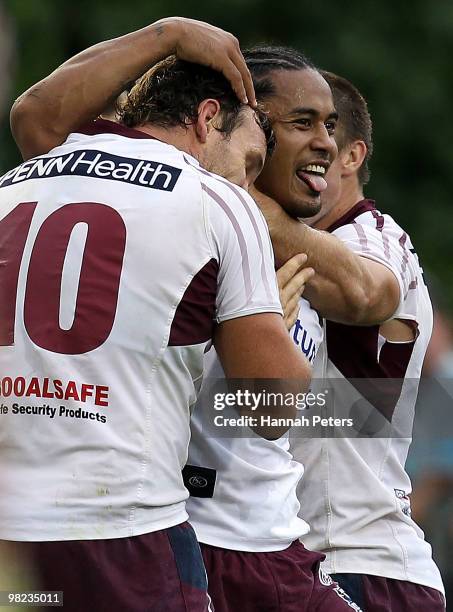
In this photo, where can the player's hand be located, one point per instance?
(202, 43)
(292, 278)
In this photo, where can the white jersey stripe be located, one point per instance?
(236, 191)
(386, 242)
(405, 260)
(240, 236)
(362, 237)
(258, 236)
(380, 220)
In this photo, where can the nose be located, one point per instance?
(324, 142)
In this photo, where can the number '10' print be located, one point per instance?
(97, 294)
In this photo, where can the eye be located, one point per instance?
(304, 122)
(330, 127)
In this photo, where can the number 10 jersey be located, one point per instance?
(117, 255)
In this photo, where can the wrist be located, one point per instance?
(167, 32)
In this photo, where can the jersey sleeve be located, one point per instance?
(379, 238)
(241, 244)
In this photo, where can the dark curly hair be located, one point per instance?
(262, 60)
(170, 93)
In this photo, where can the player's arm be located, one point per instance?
(258, 347)
(81, 88)
(251, 338)
(347, 288)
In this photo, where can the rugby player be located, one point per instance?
(355, 491)
(121, 248)
(276, 573)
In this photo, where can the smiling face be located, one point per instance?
(303, 118)
(331, 196)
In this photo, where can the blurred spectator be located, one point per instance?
(439, 357)
(430, 461)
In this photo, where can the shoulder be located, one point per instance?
(219, 189)
(380, 221)
(365, 221)
(366, 213)
(230, 200)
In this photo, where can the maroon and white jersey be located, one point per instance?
(355, 492)
(117, 255)
(243, 489)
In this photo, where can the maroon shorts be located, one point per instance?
(378, 594)
(160, 572)
(285, 581)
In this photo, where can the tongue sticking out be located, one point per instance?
(315, 182)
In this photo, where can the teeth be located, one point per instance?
(315, 168)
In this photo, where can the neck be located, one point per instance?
(177, 136)
(351, 193)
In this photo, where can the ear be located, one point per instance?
(207, 111)
(353, 156)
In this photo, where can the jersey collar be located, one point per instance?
(105, 126)
(361, 207)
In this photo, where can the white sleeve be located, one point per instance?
(240, 241)
(386, 243)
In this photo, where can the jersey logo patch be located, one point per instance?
(199, 481)
(97, 164)
(404, 500)
(302, 339)
(327, 581)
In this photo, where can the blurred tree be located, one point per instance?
(6, 59)
(397, 53)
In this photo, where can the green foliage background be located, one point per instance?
(398, 54)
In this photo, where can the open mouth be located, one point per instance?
(313, 176)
